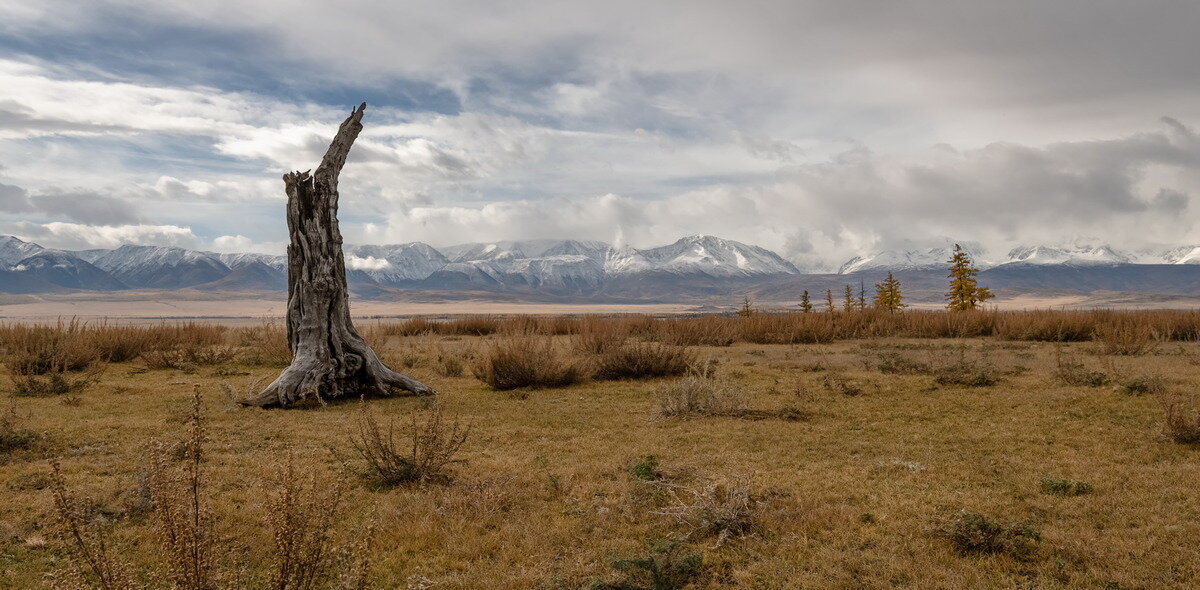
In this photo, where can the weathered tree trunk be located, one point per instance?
(329, 358)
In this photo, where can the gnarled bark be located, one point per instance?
(329, 358)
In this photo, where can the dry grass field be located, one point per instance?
(852, 450)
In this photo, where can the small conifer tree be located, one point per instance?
(887, 294)
(829, 300)
(848, 299)
(965, 292)
(746, 310)
(805, 304)
(862, 295)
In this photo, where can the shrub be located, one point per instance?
(836, 383)
(525, 362)
(1144, 384)
(1076, 374)
(646, 469)
(640, 360)
(701, 395)
(302, 512)
(966, 373)
(96, 562)
(12, 436)
(896, 364)
(182, 515)
(264, 346)
(669, 565)
(43, 349)
(1183, 424)
(188, 357)
(722, 509)
(598, 336)
(432, 445)
(449, 365)
(1065, 487)
(470, 326)
(972, 533)
(1047, 326)
(697, 331)
(1128, 337)
(55, 383)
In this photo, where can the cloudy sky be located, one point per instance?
(818, 129)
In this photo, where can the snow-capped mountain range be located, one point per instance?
(1069, 255)
(554, 267)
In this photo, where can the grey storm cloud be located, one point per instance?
(77, 205)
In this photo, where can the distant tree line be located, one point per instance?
(965, 292)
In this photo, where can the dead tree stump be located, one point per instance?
(329, 358)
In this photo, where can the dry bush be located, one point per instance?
(183, 519)
(43, 349)
(701, 394)
(96, 563)
(1126, 337)
(1047, 326)
(410, 327)
(187, 358)
(972, 533)
(265, 345)
(431, 444)
(119, 344)
(449, 364)
(835, 382)
(1065, 487)
(1074, 373)
(668, 565)
(598, 336)
(697, 331)
(301, 513)
(525, 361)
(1143, 384)
(14, 437)
(56, 382)
(967, 372)
(1182, 423)
(892, 363)
(470, 326)
(641, 360)
(719, 508)
(796, 328)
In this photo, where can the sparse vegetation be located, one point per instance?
(1144, 385)
(526, 361)
(643, 360)
(1065, 487)
(1183, 423)
(701, 394)
(431, 445)
(1071, 372)
(840, 495)
(972, 533)
(13, 436)
(668, 565)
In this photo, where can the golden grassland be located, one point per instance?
(854, 445)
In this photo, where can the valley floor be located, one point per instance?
(852, 495)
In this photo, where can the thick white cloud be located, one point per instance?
(819, 129)
(368, 263)
(78, 236)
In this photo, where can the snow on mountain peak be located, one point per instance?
(904, 260)
(700, 254)
(1073, 255)
(14, 250)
